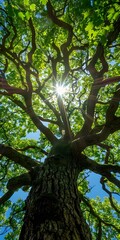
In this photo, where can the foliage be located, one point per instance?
(74, 44)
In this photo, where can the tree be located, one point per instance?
(59, 77)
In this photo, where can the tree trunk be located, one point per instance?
(53, 206)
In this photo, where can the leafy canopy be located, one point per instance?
(73, 44)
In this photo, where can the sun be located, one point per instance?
(60, 89)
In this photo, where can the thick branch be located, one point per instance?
(89, 114)
(68, 133)
(104, 170)
(107, 81)
(92, 99)
(114, 104)
(12, 56)
(112, 122)
(99, 55)
(15, 183)
(6, 196)
(18, 103)
(17, 157)
(99, 235)
(19, 181)
(95, 139)
(10, 89)
(57, 21)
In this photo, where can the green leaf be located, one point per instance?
(21, 15)
(86, 14)
(32, 7)
(26, 2)
(89, 27)
(44, 2)
(28, 15)
(111, 13)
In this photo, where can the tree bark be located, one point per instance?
(53, 205)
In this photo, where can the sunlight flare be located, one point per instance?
(60, 89)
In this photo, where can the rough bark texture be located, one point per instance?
(53, 206)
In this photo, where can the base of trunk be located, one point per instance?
(53, 206)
